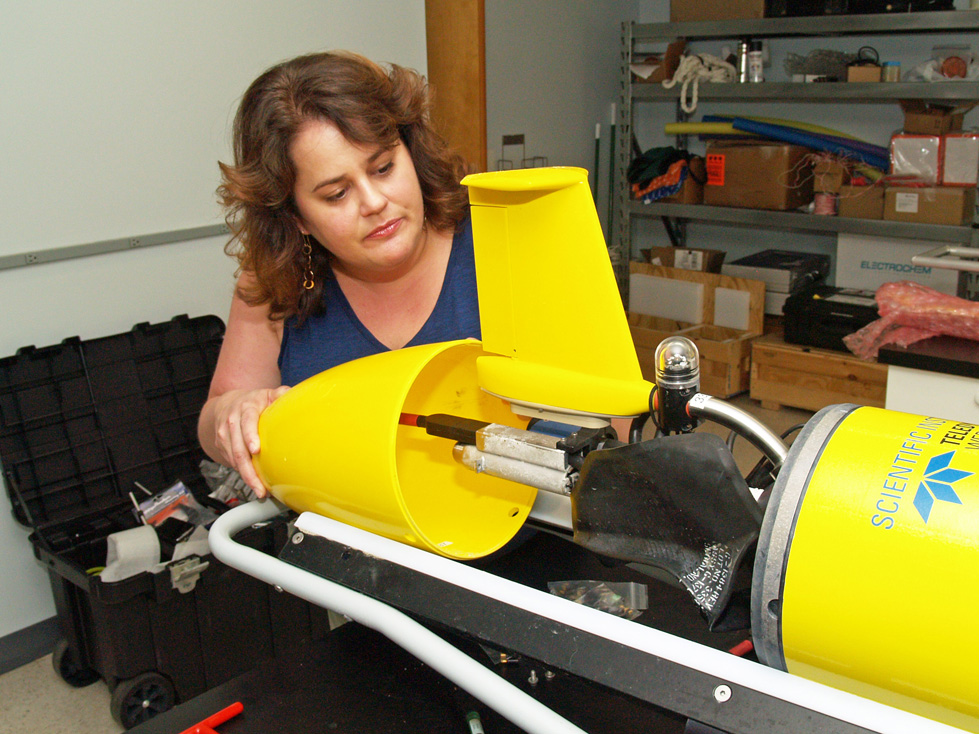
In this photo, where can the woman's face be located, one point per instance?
(362, 203)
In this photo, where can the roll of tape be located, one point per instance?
(131, 552)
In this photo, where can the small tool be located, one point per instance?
(207, 726)
(139, 512)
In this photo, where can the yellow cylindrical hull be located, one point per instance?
(867, 574)
(333, 445)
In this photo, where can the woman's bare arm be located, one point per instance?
(245, 382)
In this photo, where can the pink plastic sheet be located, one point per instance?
(910, 312)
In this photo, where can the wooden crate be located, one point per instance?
(811, 378)
(725, 353)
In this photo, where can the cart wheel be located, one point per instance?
(68, 668)
(141, 698)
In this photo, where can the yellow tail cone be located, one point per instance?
(332, 445)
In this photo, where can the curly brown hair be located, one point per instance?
(370, 105)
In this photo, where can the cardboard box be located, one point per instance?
(863, 73)
(725, 351)
(930, 204)
(928, 119)
(758, 175)
(686, 258)
(860, 202)
(684, 10)
(829, 176)
(960, 159)
(656, 68)
(865, 262)
(812, 378)
(692, 191)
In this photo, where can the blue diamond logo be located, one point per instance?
(937, 485)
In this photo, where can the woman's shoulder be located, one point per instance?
(461, 268)
(463, 234)
(462, 245)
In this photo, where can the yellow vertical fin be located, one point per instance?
(549, 302)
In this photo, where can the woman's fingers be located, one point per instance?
(250, 411)
(242, 425)
(252, 407)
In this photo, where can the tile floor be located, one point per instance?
(34, 699)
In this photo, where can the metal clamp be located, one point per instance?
(185, 572)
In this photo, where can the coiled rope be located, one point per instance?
(695, 68)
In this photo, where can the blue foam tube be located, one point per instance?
(868, 148)
(809, 140)
(828, 135)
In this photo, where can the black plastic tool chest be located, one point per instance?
(81, 423)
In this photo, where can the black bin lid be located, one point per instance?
(84, 420)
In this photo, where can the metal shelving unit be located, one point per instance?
(819, 25)
(824, 92)
(633, 34)
(805, 222)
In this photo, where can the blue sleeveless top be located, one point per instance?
(337, 335)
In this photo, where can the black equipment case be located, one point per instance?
(81, 423)
(821, 315)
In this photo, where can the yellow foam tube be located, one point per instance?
(333, 445)
(881, 585)
(727, 128)
(704, 128)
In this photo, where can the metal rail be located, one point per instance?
(101, 247)
(822, 25)
(825, 92)
(963, 235)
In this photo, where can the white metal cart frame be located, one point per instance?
(719, 682)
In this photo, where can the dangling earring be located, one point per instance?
(308, 281)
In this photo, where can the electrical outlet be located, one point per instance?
(134, 242)
(30, 259)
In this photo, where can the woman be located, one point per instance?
(351, 231)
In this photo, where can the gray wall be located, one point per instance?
(552, 74)
(114, 115)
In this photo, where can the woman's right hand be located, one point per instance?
(234, 417)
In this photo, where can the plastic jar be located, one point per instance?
(756, 72)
